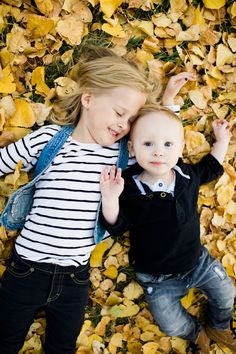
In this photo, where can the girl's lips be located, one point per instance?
(113, 132)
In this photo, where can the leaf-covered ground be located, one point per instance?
(39, 41)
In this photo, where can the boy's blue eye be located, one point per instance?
(147, 143)
(168, 144)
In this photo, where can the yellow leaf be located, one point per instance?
(92, 338)
(143, 56)
(7, 84)
(146, 27)
(133, 290)
(24, 116)
(116, 248)
(227, 96)
(214, 4)
(150, 348)
(198, 99)
(228, 262)
(71, 29)
(134, 347)
(5, 56)
(199, 19)
(16, 42)
(179, 345)
(101, 326)
(39, 26)
(38, 80)
(44, 6)
(97, 254)
(2, 270)
(18, 132)
(124, 311)
(111, 272)
(223, 55)
(153, 328)
(188, 299)
(116, 31)
(108, 7)
(215, 72)
(233, 10)
(116, 340)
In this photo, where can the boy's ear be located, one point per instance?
(130, 148)
(86, 99)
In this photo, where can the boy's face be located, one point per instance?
(107, 117)
(157, 143)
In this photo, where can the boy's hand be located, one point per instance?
(111, 183)
(221, 130)
(175, 83)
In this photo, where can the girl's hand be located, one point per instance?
(221, 130)
(174, 85)
(111, 183)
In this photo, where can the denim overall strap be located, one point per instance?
(51, 149)
(19, 205)
(122, 162)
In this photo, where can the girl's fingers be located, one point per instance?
(113, 173)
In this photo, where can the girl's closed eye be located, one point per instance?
(119, 114)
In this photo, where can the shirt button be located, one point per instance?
(163, 194)
(160, 184)
(150, 195)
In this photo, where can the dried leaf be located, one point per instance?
(214, 4)
(7, 84)
(97, 254)
(108, 7)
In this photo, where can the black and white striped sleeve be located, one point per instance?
(26, 150)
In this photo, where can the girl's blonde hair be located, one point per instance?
(98, 69)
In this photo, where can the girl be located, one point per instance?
(49, 266)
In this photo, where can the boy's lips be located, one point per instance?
(157, 163)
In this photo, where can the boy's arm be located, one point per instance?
(210, 166)
(221, 130)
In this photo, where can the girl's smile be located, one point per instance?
(107, 117)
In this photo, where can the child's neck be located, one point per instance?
(146, 177)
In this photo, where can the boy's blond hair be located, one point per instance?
(155, 108)
(99, 69)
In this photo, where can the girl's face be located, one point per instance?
(107, 117)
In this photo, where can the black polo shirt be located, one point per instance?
(164, 229)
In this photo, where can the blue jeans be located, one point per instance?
(163, 293)
(28, 287)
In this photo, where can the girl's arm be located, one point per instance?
(173, 87)
(221, 130)
(26, 150)
(112, 185)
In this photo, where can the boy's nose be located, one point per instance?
(157, 152)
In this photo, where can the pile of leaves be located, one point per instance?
(39, 41)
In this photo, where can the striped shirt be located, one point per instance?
(59, 228)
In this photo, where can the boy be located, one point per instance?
(158, 204)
